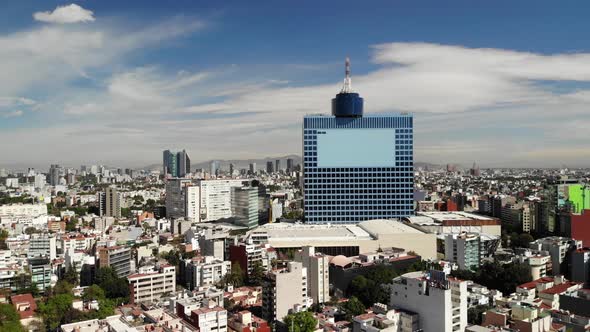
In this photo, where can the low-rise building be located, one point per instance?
(149, 285)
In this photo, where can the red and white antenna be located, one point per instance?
(347, 87)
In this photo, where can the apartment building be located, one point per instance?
(117, 257)
(318, 275)
(204, 271)
(150, 284)
(284, 292)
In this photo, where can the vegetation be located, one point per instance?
(257, 275)
(353, 307)
(115, 288)
(9, 319)
(493, 275)
(300, 322)
(3, 236)
(474, 314)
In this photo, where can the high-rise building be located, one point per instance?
(290, 165)
(318, 273)
(244, 203)
(216, 198)
(113, 203)
(581, 265)
(55, 172)
(464, 249)
(269, 167)
(440, 301)
(231, 170)
(277, 165)
(252, 170)
(176, 164)
(214, 168)
(176, 198)
(284, 292)
(357, 167)
(117, 257)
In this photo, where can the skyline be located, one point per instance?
(83, 78)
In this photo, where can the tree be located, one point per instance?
(3, 236)
(353, 307)
(113, 286)
(71, 275)
(474, 314)
(523, 241)
(257, 275)
(63, 287)
(55, 309)
(9, 318)
(235, 277)
(300, 322)
(93, 292)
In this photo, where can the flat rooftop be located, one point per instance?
(435, 218)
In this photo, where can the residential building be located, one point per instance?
(216, 198)
(43, 245)
(112, 203)
(204, 271)
(357, 167)
(463, 249)
(318, 273)
(249, 255)
(440, 301)
(40, 268)
(559, 248)
(284, 292)
(209, 319)
(117, 257)
(581, 265)
(149, 285)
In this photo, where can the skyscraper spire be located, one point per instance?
(347, 87)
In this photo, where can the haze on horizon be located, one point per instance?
(502, 84)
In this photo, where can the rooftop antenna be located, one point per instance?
(347, 87)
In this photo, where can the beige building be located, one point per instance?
(347, 239)
(113, 202)
(150, 285)
(285, 292)
(318, 275)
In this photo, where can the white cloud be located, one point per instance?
(13, 114)
(65, 14)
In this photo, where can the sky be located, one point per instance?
(501, 83)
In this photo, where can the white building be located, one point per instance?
(285, 292)
(37, 213)
(559, 248)
(440, 301)
(463, 249)
(216, 198)
(205, 271)
(210, 319)
(149, 285)
(43, 245)
(318, 273)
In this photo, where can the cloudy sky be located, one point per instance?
(503, 83)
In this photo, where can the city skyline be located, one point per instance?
(97, 86)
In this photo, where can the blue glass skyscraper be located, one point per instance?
(357, 167)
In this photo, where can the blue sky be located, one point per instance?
(503, 83)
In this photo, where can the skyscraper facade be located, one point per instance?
(176, 164)
(269, 167)
(357, 167)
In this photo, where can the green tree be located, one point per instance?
(113, 286)
(300, 322)
(353, 307)
(71, 275)
(474, 314)
(93, 292)
(235, 277)
(257, 275)
(9, 318)
(63, 287)
(3, 236)
(54, 310)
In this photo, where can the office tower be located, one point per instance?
(244, 202)
(277, 165)
(150, 286)
(39, 180)
(176, 198)
(117, 257)
(474, 171)
(55, 172)
(318, 273)
(231, 170)
(269, 167)
(357, 167)
(192, 203)
(176, 164)
(214, 169)
(285, 291)
(441, 303)
(290, 167)
(252, 169)
(581, 265)
(463, 249)
(216, 198)
(112, 203)
(169, 163)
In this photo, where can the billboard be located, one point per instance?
(356, 147)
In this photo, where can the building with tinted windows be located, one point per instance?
(357, 167)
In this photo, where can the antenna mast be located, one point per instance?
(347, 87)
